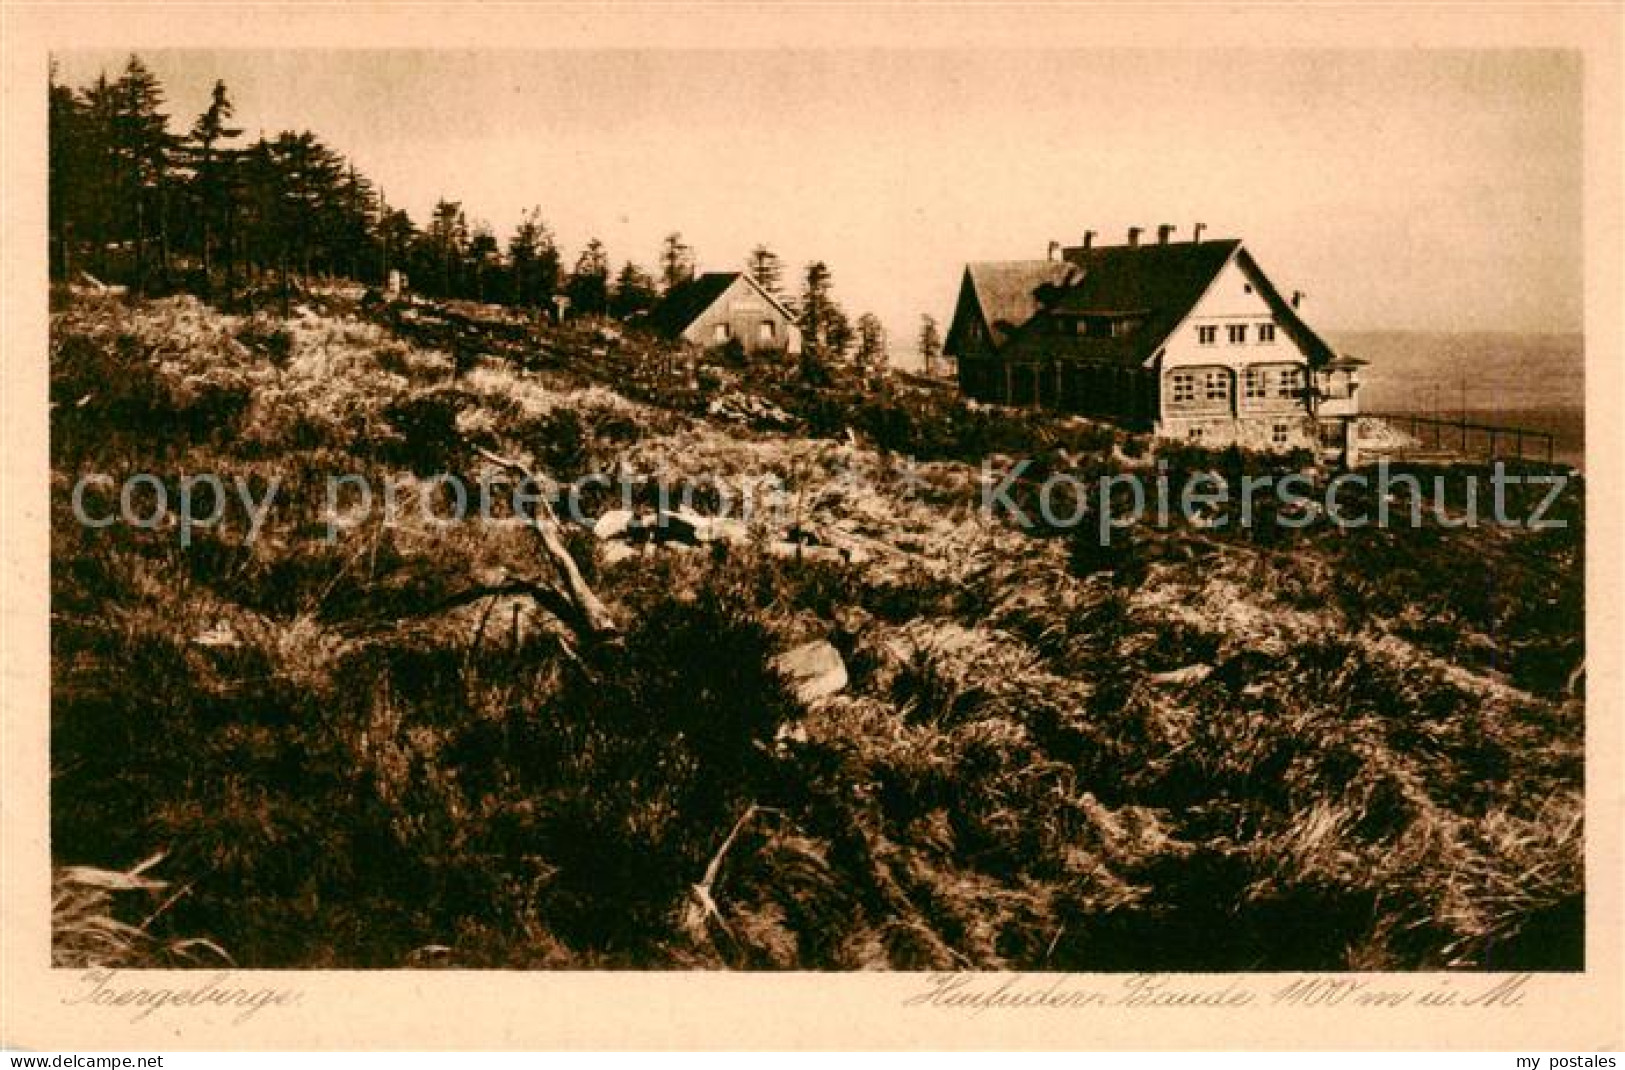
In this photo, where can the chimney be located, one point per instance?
(1054, 251)
(1134, 236)
(1088, 239)
(1163, 231)
(1196, 232)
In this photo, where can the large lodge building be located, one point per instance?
(1189, 340)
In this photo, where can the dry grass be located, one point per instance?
(85, 931)
(1203, 752)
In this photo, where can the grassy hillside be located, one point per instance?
(1196, 749)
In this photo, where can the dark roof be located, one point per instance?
(1006, 290)
(685, 302)
(1162, 283)
(1159, 283)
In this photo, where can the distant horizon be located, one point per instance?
(1442, 188)
(1576, 333)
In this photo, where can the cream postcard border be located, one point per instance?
(43, 1008)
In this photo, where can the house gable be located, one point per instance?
(996, 299)
(1241, 294)
(1232, 323)
(724, 306)
(967, 334)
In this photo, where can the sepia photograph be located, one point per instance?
(1113, 510)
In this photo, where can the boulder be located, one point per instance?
(725, 529)
(613, 524)
(814, 670)
(798, 552)
(685, 525)
(1190, 674)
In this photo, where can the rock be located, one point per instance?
(613, 524)
(722, 529)
(686, 526)
(814, 670)
(819, 545)
(798, 552)
(1190, 674)
(222, 634)
(749, 409)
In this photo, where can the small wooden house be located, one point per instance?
(720, 307)
(1189, 340)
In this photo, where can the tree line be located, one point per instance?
(213, 213)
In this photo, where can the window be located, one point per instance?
(1184, 388)
(766, 332)
(1266, 333)
(1207, 335)
(1255, 384)
(1217, 386)
(1238, 333)
(1194, 434)
(720, 333)
(1280, 431)
(1290, 383)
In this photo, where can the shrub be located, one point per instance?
(268, 338)
(430, 442)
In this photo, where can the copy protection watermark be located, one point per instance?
(1106, 504)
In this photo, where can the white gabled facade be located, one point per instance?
(1230, 373)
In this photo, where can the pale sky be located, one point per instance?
(1398, 189)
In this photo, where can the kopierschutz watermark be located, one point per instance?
(1117, 501)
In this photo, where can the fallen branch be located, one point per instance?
(587, 611)
(705, 904)
(544, 594)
